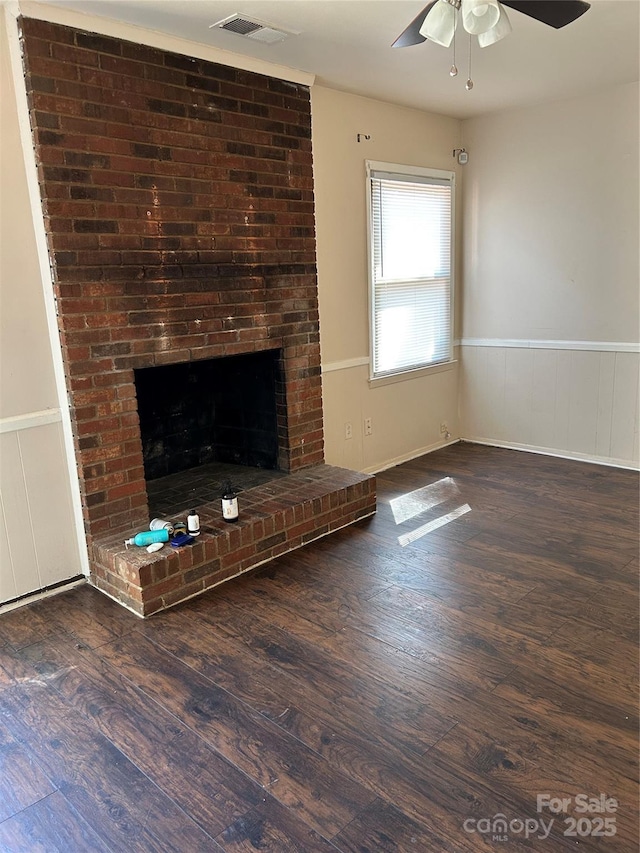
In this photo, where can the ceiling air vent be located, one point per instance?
(251, 29)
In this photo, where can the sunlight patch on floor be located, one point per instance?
(407, 538)
(414, 503)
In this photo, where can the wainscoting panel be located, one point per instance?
(19, 574)
(624, 418)
(39, 546)
(572, 402)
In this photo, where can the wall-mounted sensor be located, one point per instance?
(461, 153)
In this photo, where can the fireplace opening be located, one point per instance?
(206, 422)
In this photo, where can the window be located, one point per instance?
(410, 245)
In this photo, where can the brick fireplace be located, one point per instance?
(178, 203)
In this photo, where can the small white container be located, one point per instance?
(161, 524)
(193, 523)
(230, 507)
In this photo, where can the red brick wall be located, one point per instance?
(178, 203)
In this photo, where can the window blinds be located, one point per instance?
(411, 223)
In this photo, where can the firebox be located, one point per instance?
(209, 421)
(216, 410)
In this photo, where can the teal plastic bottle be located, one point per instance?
(147, 537)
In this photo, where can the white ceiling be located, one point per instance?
(346, 43)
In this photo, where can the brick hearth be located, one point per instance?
(277, 517)
(178, 203)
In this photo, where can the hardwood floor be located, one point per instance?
(355, 696)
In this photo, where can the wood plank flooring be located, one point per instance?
(355, 696)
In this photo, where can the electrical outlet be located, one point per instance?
(348, 430)
(368, 426)
(444, 429)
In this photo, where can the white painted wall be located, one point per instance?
(38, 542)
(407, 414)
(550, 324)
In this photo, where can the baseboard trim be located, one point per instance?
(407, 457)
(32, 597)
(559, 454)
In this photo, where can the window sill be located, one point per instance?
(418, 373)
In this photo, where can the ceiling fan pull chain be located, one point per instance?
(453, 71)
(469, 84)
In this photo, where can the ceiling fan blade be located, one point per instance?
(554, 13)
(412, 34)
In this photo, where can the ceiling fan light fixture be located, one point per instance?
(499, 31)
(440, 24)
(486, 19)
(479, 16)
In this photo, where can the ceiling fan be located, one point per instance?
(484, 18)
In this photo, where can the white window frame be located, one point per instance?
(411, 372)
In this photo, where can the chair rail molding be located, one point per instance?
(15, 423)
(522, 343)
